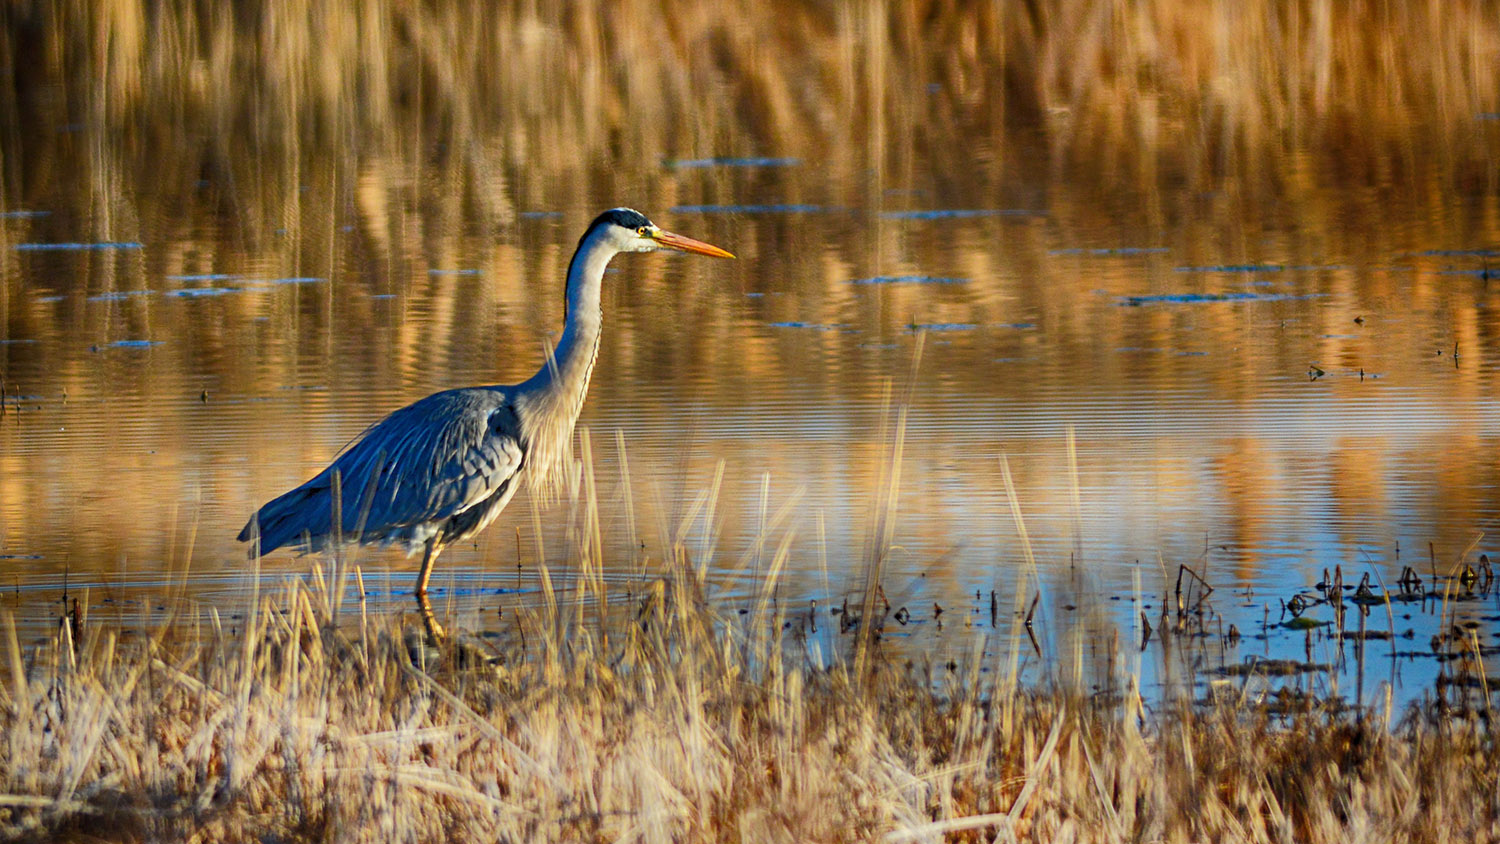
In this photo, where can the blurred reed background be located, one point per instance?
(1261, 94)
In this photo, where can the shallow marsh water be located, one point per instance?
(1259, 374)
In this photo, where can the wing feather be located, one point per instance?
(419, 467)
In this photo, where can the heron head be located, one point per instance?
(632, 232)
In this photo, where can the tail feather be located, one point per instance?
(288, 518)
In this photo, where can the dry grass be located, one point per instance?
(663, 721)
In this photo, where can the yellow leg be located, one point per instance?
(427, 560)
(434, 629)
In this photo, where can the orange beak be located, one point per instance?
(687, 244)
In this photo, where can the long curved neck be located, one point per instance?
(550, 401)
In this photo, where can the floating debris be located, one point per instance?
(1364, 595)
(1367, 635)
(1273, 668)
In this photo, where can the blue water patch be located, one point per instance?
(959, 213)
(201, 292)
(118, 295)
(942, 326)
(9, 341)
(22, 215)
(135, 344)
(1234, 268)
(1197, 298)
(77, 247)
(733, 161)
(1017, 325)
(453, 272)
(909, 279)
(541, 215)
(382, 295)
(816, 326)
(746, 209)
(297, 280)
(202, 277)
(1118, 250)
(1477, 253)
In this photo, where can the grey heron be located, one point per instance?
(439, 470)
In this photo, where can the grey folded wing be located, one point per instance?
(409, 474)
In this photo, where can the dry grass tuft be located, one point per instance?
(666, 722)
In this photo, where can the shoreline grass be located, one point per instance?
(663, 720)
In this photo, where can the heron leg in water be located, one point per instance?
(434, 629)
(427, 559)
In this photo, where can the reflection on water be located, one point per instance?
(1275, 356)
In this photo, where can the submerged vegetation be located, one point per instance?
(662, 720)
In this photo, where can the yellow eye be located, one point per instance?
(643, 231)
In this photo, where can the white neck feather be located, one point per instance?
(549, 402)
